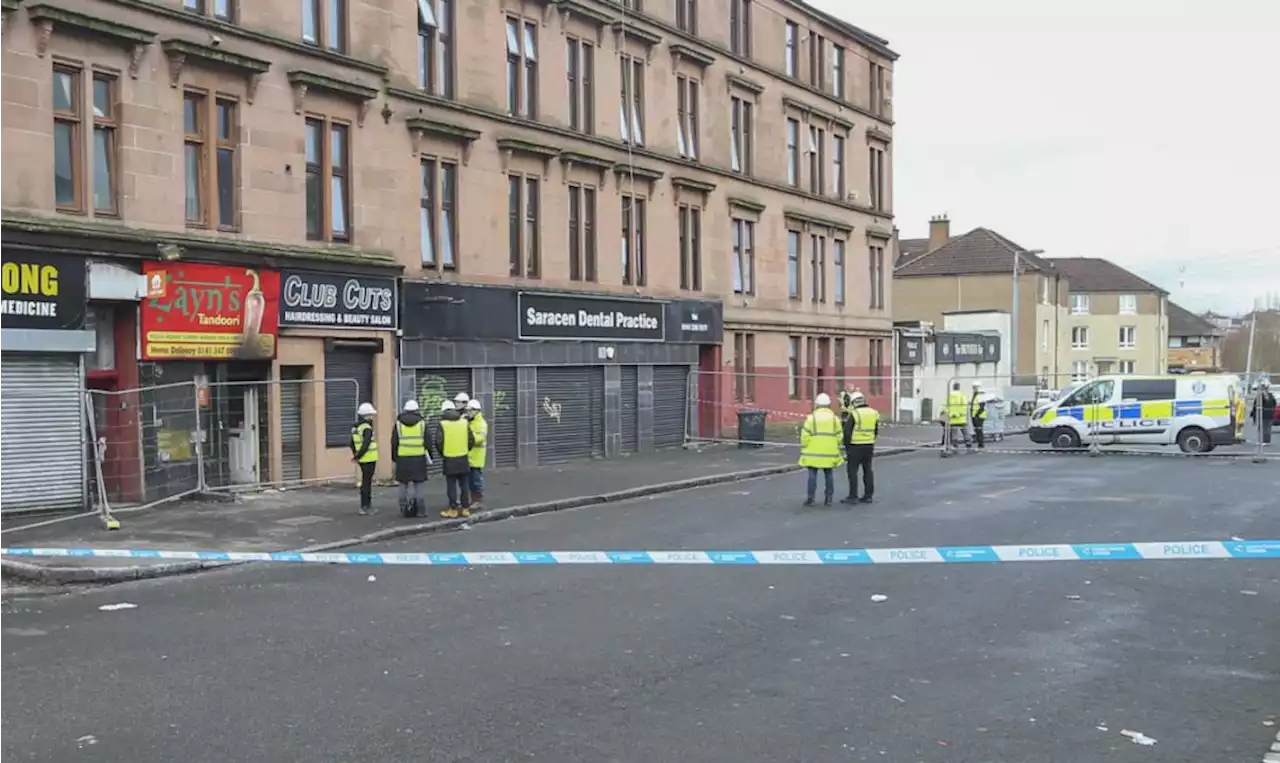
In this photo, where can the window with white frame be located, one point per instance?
(837, 166)
(435, 47)
(1128, 337)
(793, 152)
(687, 116)
(1126, 367)
(1128, 304)
(1080, 371)
(1079, 304)
(816, 149)
(744, 256)
(1079, 337)
(740, 129)
(631, 99)
(1044, 335)
(522, 68)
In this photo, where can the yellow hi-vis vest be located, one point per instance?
(956, 405)
(865, 420)
(820, 440)
(480, 431)
(412, 439)
(357, 439)
(976, 409)
(455, 438)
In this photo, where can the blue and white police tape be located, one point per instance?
(1061, 552)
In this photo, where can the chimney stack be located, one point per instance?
(939, 231)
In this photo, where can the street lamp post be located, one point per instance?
(1016, 315)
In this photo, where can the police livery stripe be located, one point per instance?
(1053, 552)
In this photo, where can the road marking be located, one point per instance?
(1049, 552)
(1009, 491)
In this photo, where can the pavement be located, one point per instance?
(1001, 662)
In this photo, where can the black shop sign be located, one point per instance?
(910, 350)
(558, 316)
(967, 348)
(43, 292)
(337, 301)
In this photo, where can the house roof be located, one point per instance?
(981, 251)
(1094, 274)
(1183, 322)
(911, 247)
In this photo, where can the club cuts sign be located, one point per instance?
(323, 299)
(556, 316)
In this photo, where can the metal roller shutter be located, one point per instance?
(670, 403)
(433, 386)
(42, 447)
(630, 406)
(570, 427)
(502, 419)
(291, 430)
(340, 398)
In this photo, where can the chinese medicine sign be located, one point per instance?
(209, 312)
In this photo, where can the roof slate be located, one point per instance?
(1183, 322)
(1094, 274)
(981, 251)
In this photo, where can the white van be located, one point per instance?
(1197, 413)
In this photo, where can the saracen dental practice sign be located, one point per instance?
(556, 316)
(341, 301)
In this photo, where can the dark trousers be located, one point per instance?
(829, 477)
(860, 457)
(457, 488)
(1266, 431)
(366, 483)
(978, 434)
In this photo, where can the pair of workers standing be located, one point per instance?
(827, 440)
(459, 439)
(963, 412)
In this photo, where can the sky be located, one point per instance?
(1146, 132)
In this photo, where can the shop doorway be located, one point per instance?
(242, 440)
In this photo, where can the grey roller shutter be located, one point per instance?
(290, 430)
(433, 386)
(630, 405)
(670, 399)
(42, 444)
(341, 398)
(502, 419)
(570, 413)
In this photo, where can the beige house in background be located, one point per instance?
(974, 271)
(1195, 344)
(1117, 322)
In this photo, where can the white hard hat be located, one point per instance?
(365, 409)
(822, 399)
(445, 405)
(473, 404)
(856, 398)
(411, 405)
(977, 385)
(461, 397)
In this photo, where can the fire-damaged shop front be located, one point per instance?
(561, 376)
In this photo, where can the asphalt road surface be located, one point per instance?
(981, 662)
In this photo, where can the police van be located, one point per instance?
(1197, 413)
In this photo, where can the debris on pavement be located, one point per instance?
(372, 578)
(1249, 593)
(898, 699)
(1103, 728)
(87, 739)
(114, 607)
(1137, 737)
(787, 617)
(879, 597)
(1072, 597)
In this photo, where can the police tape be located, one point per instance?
(1061, 552)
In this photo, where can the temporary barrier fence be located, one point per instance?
(719, 399)
(1007, 427)
(158, 444)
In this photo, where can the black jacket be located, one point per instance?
(458, 465)
(409, 468)
(1266, 403)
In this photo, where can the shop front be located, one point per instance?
(336, 350)
(208, 338)
(44, 340)
(562, 376)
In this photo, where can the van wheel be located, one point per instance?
(1194, 440)
(1065, 438)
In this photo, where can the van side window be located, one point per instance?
(1149, 389)
(1093, 394)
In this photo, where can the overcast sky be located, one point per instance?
(1143, 131)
